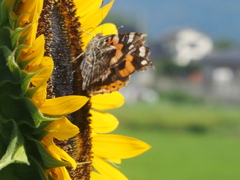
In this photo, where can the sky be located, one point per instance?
(220, 19)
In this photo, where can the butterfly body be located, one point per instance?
(110, 60)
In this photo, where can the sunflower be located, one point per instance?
(47, 121)
(28, 121)
(110, 148)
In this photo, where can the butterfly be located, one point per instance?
(110, 60)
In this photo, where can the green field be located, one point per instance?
(189, 141)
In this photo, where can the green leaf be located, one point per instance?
(3, 13)
(15, 36)
(14, 107)
(40, 134)
(40, 169)
(27, 91)
(48, 160)
(12, 65)
(23, 64)
(5, 38)
(51, 178)
(25, 79)
(15, 152)
(19, 50)
(23, 110)
(23, 172)
(13, 18)
(16, 4)
(37, 115)
(5, 73)
(30, 92)
(8, 87)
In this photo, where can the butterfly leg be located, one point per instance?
(77, 57)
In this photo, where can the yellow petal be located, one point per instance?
(59, 173)
(27, 6)
(63, 105)
(40, 79)
(35, 52)
(46, 68)
(33, 8)
(106, 169)
(31, 32)
(39, 6)
(30, 21)
(62, 129)
(117, 146)
(40, 95)
(117, 161)
(85, 8)
(107, 101)
(96, 176)
(103, 122)
(56, 151)
(95, 16)
(105, 29)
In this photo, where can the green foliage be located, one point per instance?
(19, 120)
(222, 44)
(5, 38)
(177, 96)
(13, 141)
(22, 124)
(181, 117)
(189, 140)
(3, 12)
(183, 156)
(22, 172)
(168, 67)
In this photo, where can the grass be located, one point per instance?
(180, 117)
(189, 141)
(184, 156)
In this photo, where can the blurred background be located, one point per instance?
(188, 109)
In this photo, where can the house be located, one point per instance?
(221, 75)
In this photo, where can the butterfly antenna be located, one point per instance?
(83, 51)
(102, 13)
(78, 56)
(87, 32)
(120, 27)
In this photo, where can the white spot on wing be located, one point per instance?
(144, 62)
(131, 46)
(142, 50)
(115, 39)
(131, 37)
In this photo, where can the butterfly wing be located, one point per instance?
(114, 65)
(95, 64)
(134, 54)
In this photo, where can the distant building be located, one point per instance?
(183, 46)
(221, 75)
(218, 76)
